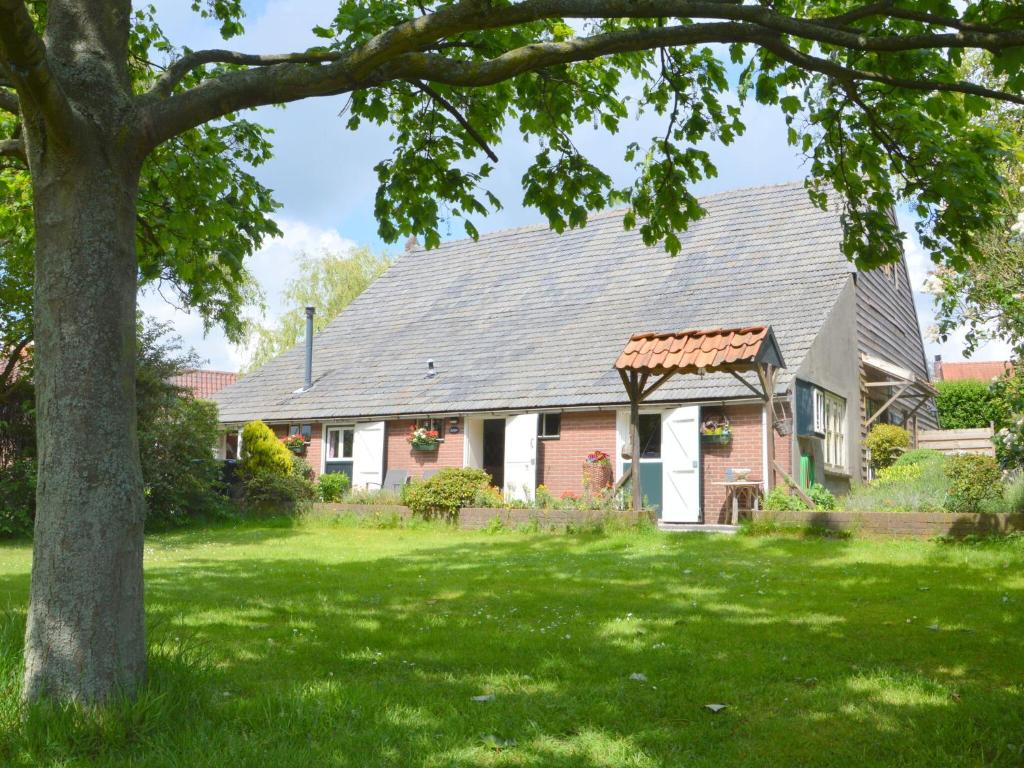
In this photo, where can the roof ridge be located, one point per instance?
(609, 213)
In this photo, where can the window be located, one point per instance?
(231, 445)
(835, 431)
(549, 425)
(818, 409)
(306, 430)
(435, 424)
(650, 435)
(339, 443)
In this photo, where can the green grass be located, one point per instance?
(321, 645)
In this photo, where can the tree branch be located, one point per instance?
(24, 55)
(13, 148)
(450, 109)
(9, 102)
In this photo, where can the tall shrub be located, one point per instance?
(966, 404)
(445, 493)
(262, 453)
(974, 482)
(886, 442)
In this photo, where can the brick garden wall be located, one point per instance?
(400, 455)
(560, 460)
(901, 523)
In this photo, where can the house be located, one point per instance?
(204, 384)
(506, 347)
(982, 370)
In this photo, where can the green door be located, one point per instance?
(650, 483)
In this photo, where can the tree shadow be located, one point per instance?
(597, 652)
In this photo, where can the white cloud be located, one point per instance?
(273, 266)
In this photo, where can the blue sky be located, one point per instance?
(323, 174)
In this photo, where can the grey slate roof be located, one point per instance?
(526, 318)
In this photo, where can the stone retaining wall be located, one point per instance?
(901, 523)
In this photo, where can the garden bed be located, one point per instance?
(474, 518)
(926, 524)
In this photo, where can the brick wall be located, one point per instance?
(313, 451)
(901, 523)
(560, 460)
(400, 455)
(745, 451)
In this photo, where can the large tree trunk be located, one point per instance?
(85, 638)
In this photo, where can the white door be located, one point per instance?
(368, 455)
(680, 457)
(521, 456)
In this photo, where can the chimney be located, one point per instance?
(310, 311)
(937, 368)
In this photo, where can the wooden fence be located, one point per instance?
(953, 441)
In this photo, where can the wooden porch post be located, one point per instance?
(634, 443)
(766, 374)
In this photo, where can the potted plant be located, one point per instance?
(423, 439)
(295, 443)
(597, 472)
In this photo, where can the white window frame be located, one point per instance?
(340, 428)
(435, 423)
(835, 432)
(542, 431)
(818, 411)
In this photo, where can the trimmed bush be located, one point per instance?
(271, 493)
(965, 404)
(262, 453)
(919, 456)
(334, 486)
(886, 442)
(445, 493)
(975, 481)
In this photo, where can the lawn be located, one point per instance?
(339, 646)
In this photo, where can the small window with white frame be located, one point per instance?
(835, 431)
(339, 443)
(431, 423)
(818, 410)
(549, 425)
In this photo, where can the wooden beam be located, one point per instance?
(901, 382)
(626, 383)
(650, 390)
(634, 445)
(766, 375)
(886, 404)
(747, 384)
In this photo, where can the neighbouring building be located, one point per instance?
(981, 370)
(204, 384)
(506, 347)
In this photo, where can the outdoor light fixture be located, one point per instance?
(431, 370)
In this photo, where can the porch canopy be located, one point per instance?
(899, 383)
(728, 350)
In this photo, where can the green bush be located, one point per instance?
(301, 467)
(917, 456)
(822, 498)
(181, 476)
(965, 404)
(262, 453)
(333, 486)
(975, 481)
(886, 442)
(17, 497)
(779, 499)
(445, 493)
(270, 493)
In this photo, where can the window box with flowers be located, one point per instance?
(716, 431)
(423, 439)
(597, 472)
(295, 443)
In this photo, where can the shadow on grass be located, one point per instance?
(823, 658)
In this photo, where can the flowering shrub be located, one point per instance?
(1009, 442)
(422, 437)
(598, 457)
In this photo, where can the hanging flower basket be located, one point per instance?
(720, 438)
(423, 439)
(295, 443)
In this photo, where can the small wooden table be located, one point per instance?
(734, 489)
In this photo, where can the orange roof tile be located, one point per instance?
(204, 384)
(689, 351)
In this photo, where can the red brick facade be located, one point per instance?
(560, 460)
(400, 455)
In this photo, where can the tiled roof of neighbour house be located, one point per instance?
(527, 318)
(982, 371)
(698, 350)
(204, 384)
